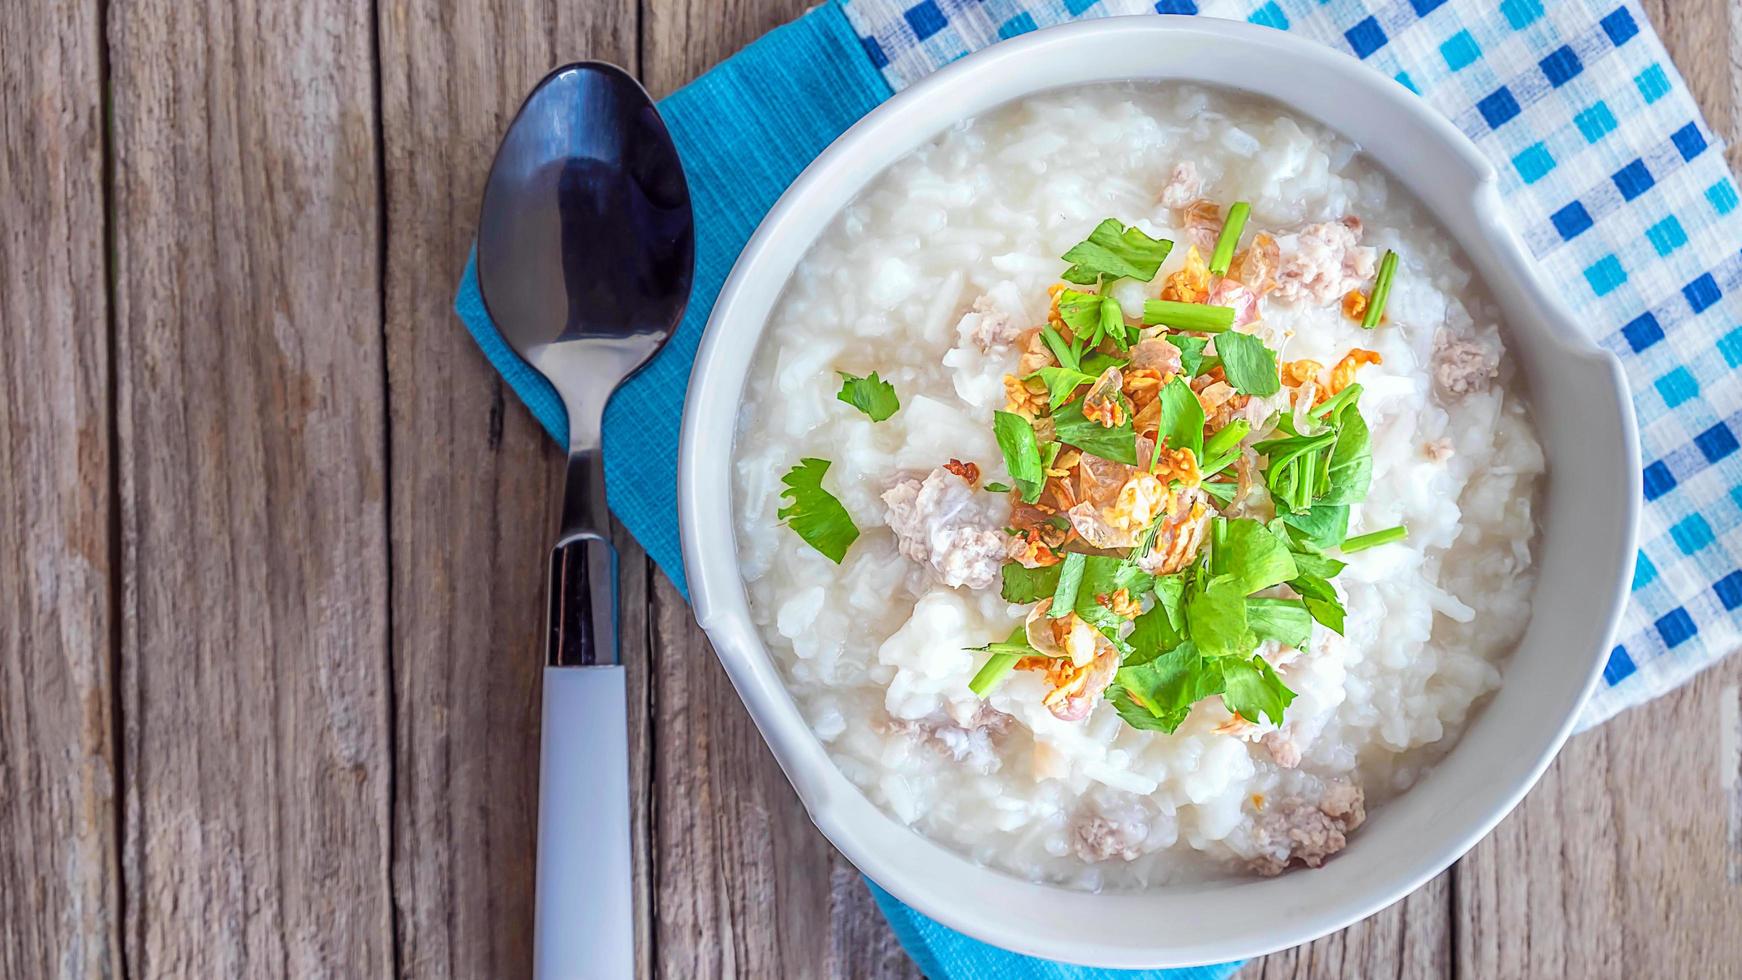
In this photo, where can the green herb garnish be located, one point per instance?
(1198, 317)
(1292, 469)
(1182, 421)
(1223, 256)
(1322, 526)
(1250, 365)
(1146, 541)
(1284, 620)
(1105, 575)
(1095, 363)
(1191, 353)
(996, 488)
(1251, 688)
(1092, 316)
(1080, 311)
(1373, 539)
(870, 394)
(1250, 554)
(1170, 597)
(1112, 324)
(1333, 406)
(1325, 469)
(995, 669)
(1309, 562)
(1021, 453)
(1024, 585)
(1064, 596)
(814, 513)
(1312, 581)
(1117, 443)
(1223, 448)
(1115, 251)
(1319, 598)
(1158, 693)
(1223, 493)
(1349, 465)
(1002, 661)
(1061, 382)
(1216, 617)
(1063, 352)
(1200, 636)
(1381, 290)
(1227, 438)
(1153, 633)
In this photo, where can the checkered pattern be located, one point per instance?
(1615, 183)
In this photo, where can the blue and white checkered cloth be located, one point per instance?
(1615, 183)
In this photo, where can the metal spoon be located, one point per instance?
(585, 254)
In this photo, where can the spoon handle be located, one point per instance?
(584, 924)
(584, 920)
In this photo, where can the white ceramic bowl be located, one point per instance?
(1582, 413)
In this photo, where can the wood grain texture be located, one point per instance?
(253, 484)
(1411, 939)
(59, 880)
(475, 494)
(683, 38)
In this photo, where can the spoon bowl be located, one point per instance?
(585, 230)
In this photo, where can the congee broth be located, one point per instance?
(1133, 487)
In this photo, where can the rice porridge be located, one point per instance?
(1132, 488)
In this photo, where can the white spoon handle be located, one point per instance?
(584, 926)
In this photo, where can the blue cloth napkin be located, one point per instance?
(1617, 186)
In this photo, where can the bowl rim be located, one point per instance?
(709, 538)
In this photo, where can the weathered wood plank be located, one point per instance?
(745, 885)
(475, 493)
(861, 945)
(683, 38)
(635, 632)
(59, 879)
(253, 484)
(1409, 940)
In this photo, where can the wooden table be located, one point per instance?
(272, 548)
